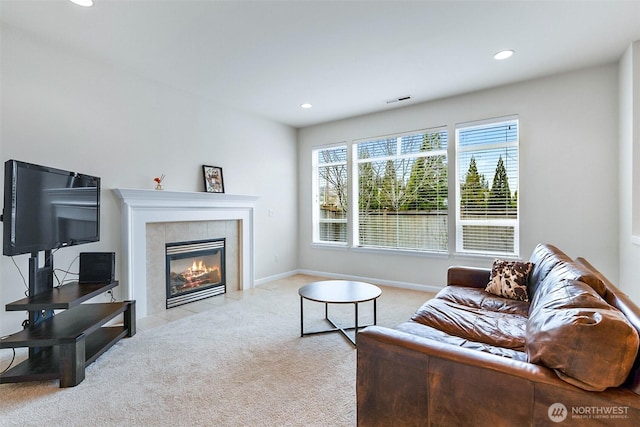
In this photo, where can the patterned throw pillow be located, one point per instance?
(509, 279)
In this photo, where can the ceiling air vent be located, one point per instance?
(398, 99)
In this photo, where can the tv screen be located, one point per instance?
(47, 208)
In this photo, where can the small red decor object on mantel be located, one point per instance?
(158, 181)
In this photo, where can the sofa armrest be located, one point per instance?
(468, 276)
(404, 379)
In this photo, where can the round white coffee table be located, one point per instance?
(338, 292)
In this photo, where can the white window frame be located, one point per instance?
(459, 221)
(455, 222)
(356, 162)
(316, 217)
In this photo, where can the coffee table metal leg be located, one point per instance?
(375, 312)
(355, 332)
(337, 328)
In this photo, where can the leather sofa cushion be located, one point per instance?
(568, 270)
(588, 343)
(501, 329)
(479, 298)
(544, 257)
(418, 329)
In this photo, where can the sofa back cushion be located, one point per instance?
(544, 257)
(568, 270)
(572, 330)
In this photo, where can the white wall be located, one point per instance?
(630, 171)
(68, 111)
(568, 172)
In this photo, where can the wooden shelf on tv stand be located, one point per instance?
(61, 346)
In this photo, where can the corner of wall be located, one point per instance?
(629, 170)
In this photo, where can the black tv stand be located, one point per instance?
(62, 345)
(40, 281)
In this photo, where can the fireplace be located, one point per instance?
(194, 270)
(152, 218)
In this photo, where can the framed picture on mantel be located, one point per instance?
(213, 182)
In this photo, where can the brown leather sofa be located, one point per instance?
(566, 356)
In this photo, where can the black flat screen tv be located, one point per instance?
(47, 208)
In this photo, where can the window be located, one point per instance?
(330, 195)
(397, 189)
(402, 192)
(487, 188)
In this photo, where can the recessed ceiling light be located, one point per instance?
(503, 54)
(85, 3)
(306, 105)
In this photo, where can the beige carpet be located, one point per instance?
(240, 363)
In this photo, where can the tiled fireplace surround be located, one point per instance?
(151, 218)
(160, 233)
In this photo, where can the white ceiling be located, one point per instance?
(344, 57)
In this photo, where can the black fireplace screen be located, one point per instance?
(195, 270)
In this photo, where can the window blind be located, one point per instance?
(402, 194)
(330, 195)
(487, 188)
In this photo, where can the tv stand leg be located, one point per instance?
(72, 361)
(130, 319)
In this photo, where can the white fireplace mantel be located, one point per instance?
(140, 207)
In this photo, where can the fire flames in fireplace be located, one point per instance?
(196, 275)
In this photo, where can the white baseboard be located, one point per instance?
(392, 283)
(262, 281)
